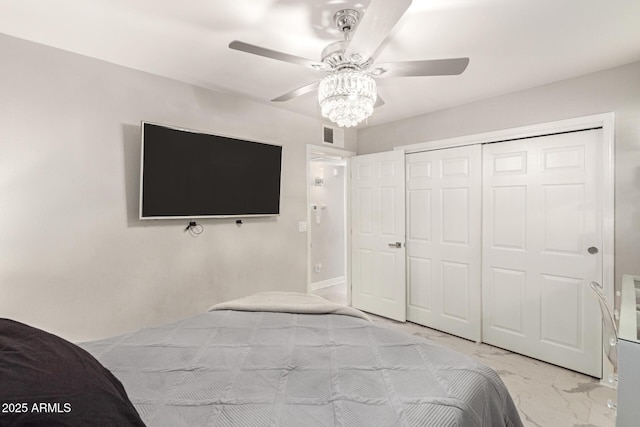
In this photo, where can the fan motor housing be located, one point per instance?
(334, 56)
(334, 53)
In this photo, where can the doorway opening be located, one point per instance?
(327, 223)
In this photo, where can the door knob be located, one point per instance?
(592, 250)
(395, 245)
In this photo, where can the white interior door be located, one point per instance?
(444, 240)
(378, 234)
(542, 229)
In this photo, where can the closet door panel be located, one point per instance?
(444, 240)
(541, 214)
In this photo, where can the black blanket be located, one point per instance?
(47, 381)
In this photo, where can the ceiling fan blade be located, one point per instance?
(297, 92)
(274, 54)
(376, 24)
(432, 67)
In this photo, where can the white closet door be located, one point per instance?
(444, 240)
(542, 228)
(378, 234)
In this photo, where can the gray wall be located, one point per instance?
(74, 258)
(616, 90)
(327, 237)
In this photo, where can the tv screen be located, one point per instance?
(191, 174)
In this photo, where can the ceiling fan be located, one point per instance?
(348, 94)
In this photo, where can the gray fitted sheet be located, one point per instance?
(225, 368)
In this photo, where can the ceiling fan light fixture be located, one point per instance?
(347, 96)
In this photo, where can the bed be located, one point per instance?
(283, 359)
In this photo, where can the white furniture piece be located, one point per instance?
(610, 330)
(629, 353)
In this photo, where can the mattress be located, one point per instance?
(267, 368)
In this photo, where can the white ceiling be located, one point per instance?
(512, 44)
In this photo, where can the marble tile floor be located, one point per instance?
(546, 395)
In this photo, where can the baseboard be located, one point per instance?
(329, 282)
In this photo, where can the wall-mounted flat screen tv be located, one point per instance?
(192, 174)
